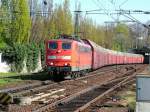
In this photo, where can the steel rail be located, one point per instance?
(69, 98)
(30, 87)
(123, 82)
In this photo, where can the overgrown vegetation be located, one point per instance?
(7, 81)
(20, 55)
(8, 74)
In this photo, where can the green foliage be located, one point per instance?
(8, 54)
(29, 59)
(122, 28)
(92, 31)
(61, 20)
(116, 46)
(3, 24)
(15, 23)
(35, 50)
(20, 54)
(6, 81)
(2, 43)
(132, 106)
(17, 54)
(32, 56)
(8, 74)
(20, 24)
(121, 40)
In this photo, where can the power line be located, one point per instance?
(124, 21)
(121, 12)
(123, 3)
(105, 10)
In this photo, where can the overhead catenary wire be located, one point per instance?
(106, 11)
(134, 19)
(123, 3)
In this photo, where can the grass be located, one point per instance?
(130, 97)
(5, 81)
(8, 74)
(16, 78)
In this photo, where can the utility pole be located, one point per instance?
(77, 18)
(44, 8)
(77, 22)
(31, 8)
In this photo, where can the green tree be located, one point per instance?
(122, 28)
(92, 31)
(4, 23)
(121, 40)
(2, 43)
(20, 22)
(68, 25)
(61, 21)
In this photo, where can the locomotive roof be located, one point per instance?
(69, 40)
(61, 40)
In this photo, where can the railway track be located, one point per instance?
(24, 89)
(66, 88)
(84, 100)
(81, 100)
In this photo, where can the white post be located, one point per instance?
(4, 67)
(0, 57)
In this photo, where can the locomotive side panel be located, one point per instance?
(85, 56)
(75, 57)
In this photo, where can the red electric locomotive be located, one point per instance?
(68, 56)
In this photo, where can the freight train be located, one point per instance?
(71, 56)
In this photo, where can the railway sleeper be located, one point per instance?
(90, 96)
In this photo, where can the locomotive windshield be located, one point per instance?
(66, 45)
(53, 45)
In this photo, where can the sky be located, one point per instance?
(109, 6)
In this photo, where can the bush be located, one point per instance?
(17, 54)
(32, 56)
(8, 54)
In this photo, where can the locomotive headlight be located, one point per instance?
(51, 63)
(66, 64)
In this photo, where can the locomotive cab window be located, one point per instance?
(52, 45)
(66, 46)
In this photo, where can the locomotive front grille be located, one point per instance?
(59, 69)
